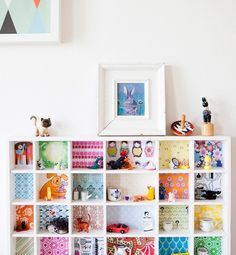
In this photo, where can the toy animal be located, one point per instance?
(128, 164)
(151, 193)
(55, 184)
(171, 197)
(41, 125)
(83, 226)
(138, 198)
(130, 105)
(119, 162)
(58, 225)
(98, 163)
(206, 112)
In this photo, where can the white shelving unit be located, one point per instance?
(26, 181)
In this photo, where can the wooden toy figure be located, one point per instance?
(207, 161)
(207, 127)
(182, 127)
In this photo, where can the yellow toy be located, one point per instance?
(207, 161)
(151, 193)
(185, 253)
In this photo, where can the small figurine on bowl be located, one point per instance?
(207, 126)
(171, 197)
(174, 163)
(41, 126)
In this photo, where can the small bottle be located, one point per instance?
(76, 194)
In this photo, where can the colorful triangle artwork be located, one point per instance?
(8, 2)
(37, 25)
(37, 2)
(8, 25)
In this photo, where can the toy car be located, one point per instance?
(118, 228)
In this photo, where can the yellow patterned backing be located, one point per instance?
(174, 149)
(208, 211)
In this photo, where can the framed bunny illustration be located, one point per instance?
(132, 100)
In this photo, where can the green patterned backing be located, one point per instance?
(53, 152)
(212, 244)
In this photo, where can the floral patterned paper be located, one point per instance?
(212, 244)
(25, 213)
(211, 148)
(137, 245)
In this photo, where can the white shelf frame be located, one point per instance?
(190, 233)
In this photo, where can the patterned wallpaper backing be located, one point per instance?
(24, 245)
(25, 213)
(212, 244)
(207, 211)
(169, 150)
(169, 245)
(93, 183)
(54, 245)
(48, 212)
(96, 213)
(24, 184)
(173, 214)
(177, 183)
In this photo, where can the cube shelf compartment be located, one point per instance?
(72, 179)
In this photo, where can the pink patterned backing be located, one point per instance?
(84, 153)
(54, 246)
(96, 213)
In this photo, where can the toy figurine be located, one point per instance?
(151, 193)
(41, 126)
(98, 163)
(137, 149)
(174, 163)
(138, 198)
(112, 149)
(58, 225)
(162, 192)
(149, 149)
(182, 127)
(40, 165)
(149, 165)
(128, 164)
(171, 197)
(83, 226)
(119, 162)
(207, 161)
(147, 222)
(207, 127)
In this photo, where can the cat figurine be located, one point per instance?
(41, 125)
(83, 226)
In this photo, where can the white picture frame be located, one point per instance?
(148, 122)
(53, 37)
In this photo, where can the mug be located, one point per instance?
(114, 194)
(207, 224)
(167, 226)
(202, 251)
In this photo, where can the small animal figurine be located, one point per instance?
(58, 225)
(137, 149)
(149, 149)
(207, 161)
(55, 184)
(40, 165)
(138, 198)
(151, 193)
(124, 148)
(57, 166)
(41, 125)
(171, 197)
(182, 127)
(149, 165)
(162, 192)
(119, 162)
(130, 105)
(111, 149)
(174, 163)
(98, 163)
(147, 222)
(207, 127)
(128, 164)
(83, 226)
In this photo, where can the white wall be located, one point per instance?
(196, 39)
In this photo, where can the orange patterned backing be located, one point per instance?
(25, 213)
(176, 183)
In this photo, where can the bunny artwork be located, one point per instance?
(130, 105)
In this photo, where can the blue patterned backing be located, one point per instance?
(169, 245)
(24, 186)
(48, 212)
(91, 182)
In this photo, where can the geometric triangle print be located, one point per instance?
(8, 25)
(37, 24)
(8, 2)
(36, 2)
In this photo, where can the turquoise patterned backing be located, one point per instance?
(169, 245)
(24, 186)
